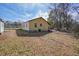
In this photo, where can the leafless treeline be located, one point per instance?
(64, 17)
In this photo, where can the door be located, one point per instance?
(39, 30)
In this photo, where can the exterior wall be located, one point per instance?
(25, 26)
(44, 26)
(1, 27)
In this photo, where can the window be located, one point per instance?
(35, 25)
(41, 24)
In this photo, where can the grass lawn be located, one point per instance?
(54, 43)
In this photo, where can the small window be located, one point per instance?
(41, 24)
(35, 25)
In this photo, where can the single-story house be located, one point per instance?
(38, 24)
(1, 26)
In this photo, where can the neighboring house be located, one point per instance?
(1, 26)
(38, 24)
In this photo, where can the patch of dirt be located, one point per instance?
(3, 37)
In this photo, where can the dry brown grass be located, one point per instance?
(55, 43)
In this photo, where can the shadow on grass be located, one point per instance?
(21, 32)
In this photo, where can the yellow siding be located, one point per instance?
(38, 21)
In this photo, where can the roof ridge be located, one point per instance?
(34, 18)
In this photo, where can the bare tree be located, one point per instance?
(60, 17)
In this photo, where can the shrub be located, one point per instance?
(75, 30)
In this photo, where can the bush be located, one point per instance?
(20, 29)
(75, 30)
